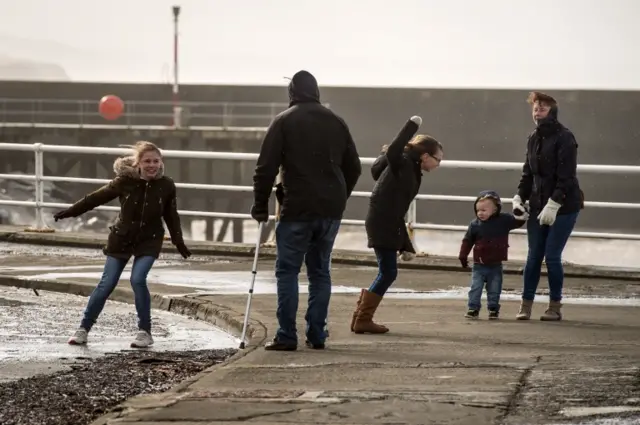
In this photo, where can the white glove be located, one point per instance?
(517, 205)
(416, 119)
(548, 214)
(407, 256)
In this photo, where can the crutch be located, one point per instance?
(254, 271)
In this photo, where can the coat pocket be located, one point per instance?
(119, 239)
(119, 230)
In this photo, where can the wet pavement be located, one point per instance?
(34, 331)
(434, 367)
(232, 274)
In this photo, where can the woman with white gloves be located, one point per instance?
(549, 184)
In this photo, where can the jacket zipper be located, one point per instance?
(144, 202)
(126, 198)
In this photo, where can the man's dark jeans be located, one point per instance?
(311, 242)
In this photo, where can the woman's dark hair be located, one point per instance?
(545, 99)
(421, 144)
(536, 96)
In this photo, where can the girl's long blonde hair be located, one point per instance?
(140, 148)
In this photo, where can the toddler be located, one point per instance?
(488, 235)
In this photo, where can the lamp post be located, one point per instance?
(177, 110)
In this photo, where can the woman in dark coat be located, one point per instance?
(550, 184)
(398, 174)
(146, 198)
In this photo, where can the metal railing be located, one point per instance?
(84, 113)
(39, 178)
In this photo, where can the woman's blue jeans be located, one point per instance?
(387, 270)
(547, 243)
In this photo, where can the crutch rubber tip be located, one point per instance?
(242, 345)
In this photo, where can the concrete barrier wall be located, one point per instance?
(487, 125)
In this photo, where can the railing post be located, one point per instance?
(129, 112)
(37, 147)
(272, 112)
(39, 190)
(225, 112)
(411, 219)
(81, 112)
(177, 117)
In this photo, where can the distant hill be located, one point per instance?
(33, 59)
(23, 69)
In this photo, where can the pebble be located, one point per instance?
(93, 387)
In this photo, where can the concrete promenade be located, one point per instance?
(434, 367)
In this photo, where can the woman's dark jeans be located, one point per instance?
(547, 243)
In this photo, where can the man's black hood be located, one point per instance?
(303, 88)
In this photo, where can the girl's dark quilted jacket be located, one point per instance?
(138, 230)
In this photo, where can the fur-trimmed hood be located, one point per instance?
(125, 167)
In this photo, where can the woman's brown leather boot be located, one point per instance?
(364, 320)
(355, 313)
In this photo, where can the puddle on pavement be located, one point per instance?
(228, 282)
(604, 421)
(461, 293)
(171, 270)
(19, 252)
(12, 249)
(40, 330)
(576, 412)
(237, 282)
(4, 302)
(48, 268)
(97, 267)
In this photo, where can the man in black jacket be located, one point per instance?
(320, 168)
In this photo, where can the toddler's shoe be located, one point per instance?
(472, 314)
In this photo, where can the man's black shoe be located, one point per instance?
(276, 345)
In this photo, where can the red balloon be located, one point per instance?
(111, 107)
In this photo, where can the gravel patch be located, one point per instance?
(93, 387)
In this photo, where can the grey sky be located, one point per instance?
(421, 43)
